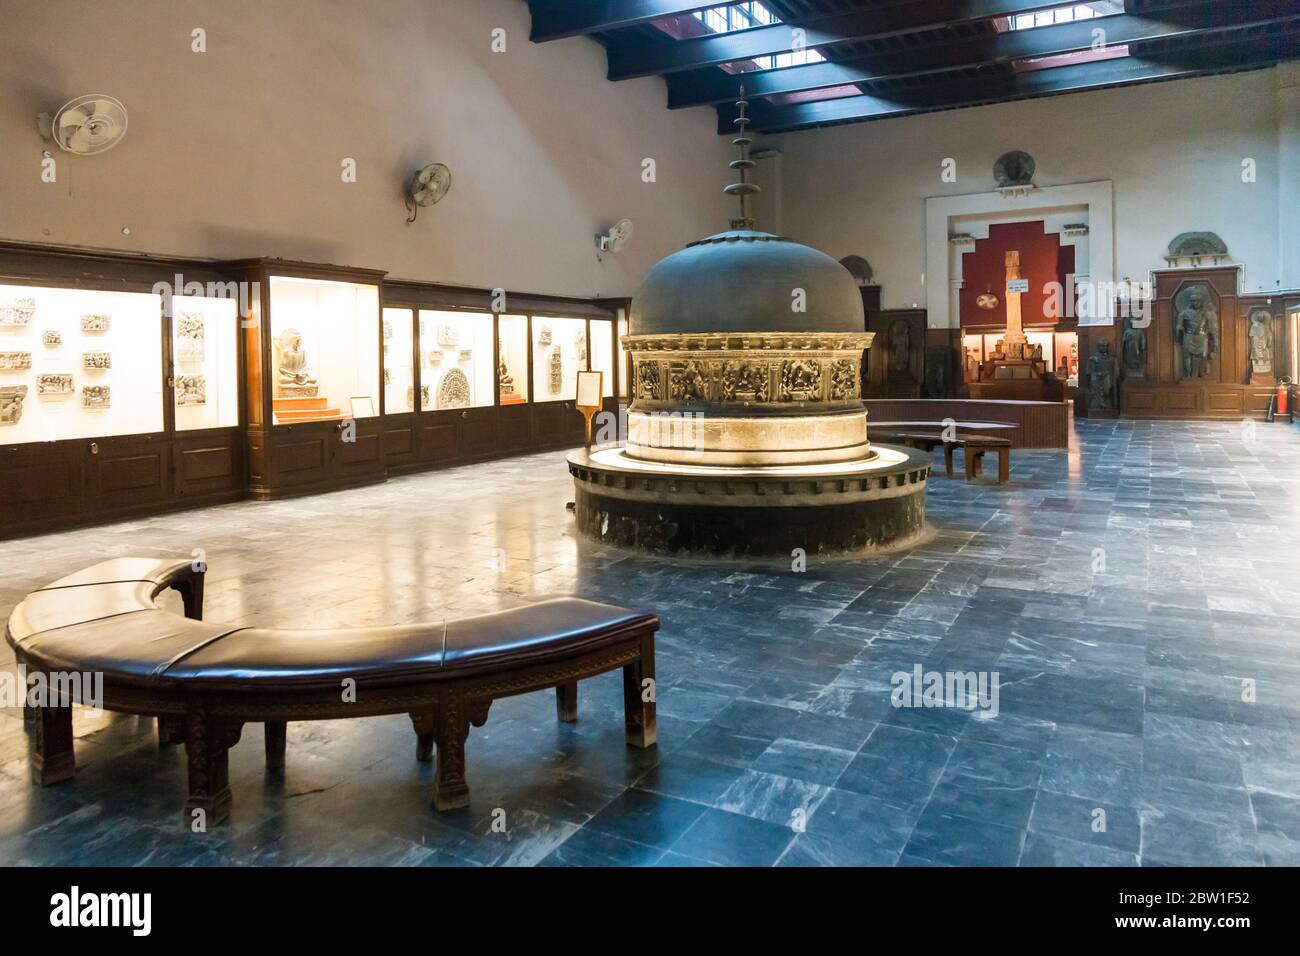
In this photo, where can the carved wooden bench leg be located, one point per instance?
(425, 723)
(276, 734)
(948, 449)
(52, 760)
(191, 592)
(450, 790)
(171, 729)
(566, 702)
(207, 745)
(639, 696)
(972, 463)
(1004, 465)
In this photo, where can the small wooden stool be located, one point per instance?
(975, 446)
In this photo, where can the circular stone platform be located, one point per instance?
(873, 503)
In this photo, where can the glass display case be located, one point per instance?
(512, 363)
(399, 367)
(324, 349)
(457, 360)
(559, 352)
(79, 363)
(602, 354)
(205, 362)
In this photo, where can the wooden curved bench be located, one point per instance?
(204, 681)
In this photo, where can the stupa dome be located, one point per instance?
(743, 280)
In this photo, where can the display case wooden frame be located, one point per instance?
(433, 437)
(47, 485)
(302, 457)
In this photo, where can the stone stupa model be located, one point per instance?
(747, 434)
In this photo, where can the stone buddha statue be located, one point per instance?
(292, 372)
(1197, 328)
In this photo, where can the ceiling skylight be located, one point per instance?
(1067, 13)
(744, 16)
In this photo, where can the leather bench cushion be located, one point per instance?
(157, 570)
(265, 655)
(138, 645)
(535, 631)
(62, 607)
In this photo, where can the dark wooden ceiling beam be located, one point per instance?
(703, 87)
(1122, 71)
(721, 48)
(555, 19)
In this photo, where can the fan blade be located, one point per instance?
(80, 140)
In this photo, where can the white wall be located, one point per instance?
(1173, 150)
(236, 152)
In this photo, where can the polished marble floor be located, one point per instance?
(1136, 597)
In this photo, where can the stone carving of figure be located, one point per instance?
(505, 379)
(938, 370)
(1197, 329)
(900, 342)
(1261, 342)
(1134, 349)
(1103, 374)
(293, 368)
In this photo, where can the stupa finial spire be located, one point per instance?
(744, 189)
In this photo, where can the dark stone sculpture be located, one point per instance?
(1134, 350)
(1261, 342)
(1196, 328)
(1103, 376)
(1015, 168)
(938, 371)
(900, 345)
(1195, 244)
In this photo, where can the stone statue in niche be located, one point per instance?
(938, 371)
(687, 382)
(293, 374)
(800, 380)
(95, 397)
(15, 361)
(1103, 377)
(844, 380)
(191, 390)
(1134, 349)
(1196, 327)
(505, 380)
(900, 344)
(11, 403)
(453, 390)
(1261, 342)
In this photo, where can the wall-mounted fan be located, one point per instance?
(427, 186)
(89, 124)
(616, 238)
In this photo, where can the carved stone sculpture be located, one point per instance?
(95, 323)
(97, 361)
(938, 371)
(557, 372)
(1015, 168)
(95, 397)
(54, 383)
(293, 374)
(844, 381)
(191, 390)
(190, 337)
(1103, 377)
(900, 345)
(17, 312)
(448, 336)
(424, 397)
(1196, 328)
(687, 382)
(1134, 350)
(800, 380)
(580, 343)
(15, 361)
(648, 383)
(51, 338)
(1261, 342)
(544, 334)
(11, 403)
(505, 380)
(453, 390)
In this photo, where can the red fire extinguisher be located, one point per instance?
(1283, 391)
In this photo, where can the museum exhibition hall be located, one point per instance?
(603, 433)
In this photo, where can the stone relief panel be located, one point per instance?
(95, 397)
(191, 390)
(54, 383)
(11, 403)
(15, 361)
(97, 361)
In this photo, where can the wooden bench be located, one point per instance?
(204, 681)
(929, 435)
